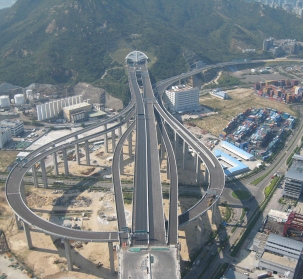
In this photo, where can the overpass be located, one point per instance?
(149, 231)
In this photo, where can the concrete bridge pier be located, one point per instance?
(35, 177)
(68, 254)
(162, 149)
(44, 177)
(28, 235)
(206, 175)
(55, 162)
(87, 153)
(198, 169)
(77, 153)
(167, 168)
(130, 142)
(65, 161)
(105, 139)
(18, 222)
(214, 211)
(195, 160)
(120, 128)
(113, 141)
(176, 138)
(200, 230)
(185, 151)
(121, 163)
(111, 258)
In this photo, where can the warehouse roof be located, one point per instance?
(236, 150)
(76, 106)
(295, 171)
(97, 113)
(237, 166)
(284, 261)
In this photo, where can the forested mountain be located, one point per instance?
(67, 41)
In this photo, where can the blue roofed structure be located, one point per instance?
(237, 151)
(237, 167)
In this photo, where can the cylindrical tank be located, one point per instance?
(19, 99)
(29, 94)
(4, 101)
(12, 101)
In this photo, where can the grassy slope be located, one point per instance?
(75, 40)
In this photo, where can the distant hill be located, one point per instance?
(71, 41)
(6, 3)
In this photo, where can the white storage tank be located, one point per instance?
(19, 99)
(4, 101)
(29, 94)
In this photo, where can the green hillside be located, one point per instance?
(68, 41)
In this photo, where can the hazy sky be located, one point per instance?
(6, 3)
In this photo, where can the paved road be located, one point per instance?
(157, 234)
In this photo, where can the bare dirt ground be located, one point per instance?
(47, 260)
(241, 99)
(7, 157)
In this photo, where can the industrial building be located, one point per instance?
(281, 255)
(52, 109)
(5, 136)
(182, 98)
(220, 94)
(4, 101)
(236, 166)
(77, 113)
(16, 126)
(237, 151)
(293, 184)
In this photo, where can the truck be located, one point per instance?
(264, 275)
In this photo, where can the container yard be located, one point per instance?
(258, 131)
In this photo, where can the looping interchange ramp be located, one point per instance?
(149, 232)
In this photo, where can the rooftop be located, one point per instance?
(75, 106)
(180, 88)
(286, 242)
(238, 151)
(236, 165)
(284, 261)
(295, 171)
(97, 113)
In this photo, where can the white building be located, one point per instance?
(182, 98)
(52, 109)
(5, 136)
(16, 126)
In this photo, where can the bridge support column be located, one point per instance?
(28, 236)
(198, 169)
(65, 161)
(130, 143)
(200, 230)
(167, 168)
(206, 175)
(18, 222)
(176, 138)
(185, 151)
(214, 211)
(121, 163)
(55, 162)
(87, 153)
(35, 177)
(111, 258)
(68, 254)
(120, 128)
(162, 149)
(43, 170)
(113, 141)
(77, 153)
(195, 160)
(105, 140)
